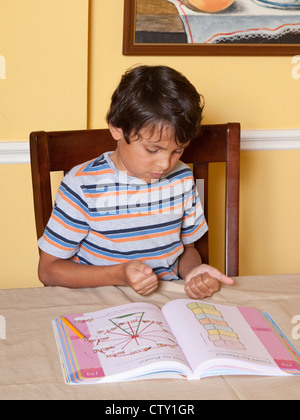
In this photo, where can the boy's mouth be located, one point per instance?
(156, 175)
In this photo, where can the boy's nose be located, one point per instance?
(164, 163)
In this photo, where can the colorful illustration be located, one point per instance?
(209, 6)
(244, 21)
(218, 331)
(130, 334)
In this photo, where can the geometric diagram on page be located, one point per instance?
(131, 334)
(218, 330)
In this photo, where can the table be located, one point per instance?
(29, 362)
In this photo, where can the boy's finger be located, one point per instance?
(147, 269)
(212, 283)
(213, 272)
(196, 288)
(141, 267)
(149, 290)
(225, 279)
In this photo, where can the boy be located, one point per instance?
(131, 216)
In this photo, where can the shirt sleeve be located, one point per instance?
(194, 224)
(68, 224)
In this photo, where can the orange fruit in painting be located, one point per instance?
(209, 6)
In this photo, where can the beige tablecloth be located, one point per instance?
(30, 366)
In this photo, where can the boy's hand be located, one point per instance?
(140, 277)
(203, 281)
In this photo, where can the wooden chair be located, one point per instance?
(60, 151)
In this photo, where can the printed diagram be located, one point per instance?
(130, 334)
(219, 332)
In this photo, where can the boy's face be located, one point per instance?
(151, 156)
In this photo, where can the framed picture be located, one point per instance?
(211, 27)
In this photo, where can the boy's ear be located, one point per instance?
(116, 132)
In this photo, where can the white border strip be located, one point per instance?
(17, 152)
(14, 152)
(270, 139)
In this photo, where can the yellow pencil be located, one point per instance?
(78, 333)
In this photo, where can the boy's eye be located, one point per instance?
(152, 151)
(178, 151)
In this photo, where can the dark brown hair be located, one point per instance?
(157, 96)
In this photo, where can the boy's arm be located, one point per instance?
(201, 280)
(55, 271)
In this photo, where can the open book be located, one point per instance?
(185, 339)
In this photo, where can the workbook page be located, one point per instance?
(207, 331)
(128, 338)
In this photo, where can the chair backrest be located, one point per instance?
(62, 150)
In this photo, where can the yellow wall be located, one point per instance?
(46, 88)
(270, 208)
(45, 47)
(19, 254)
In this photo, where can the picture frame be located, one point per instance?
(173, 43)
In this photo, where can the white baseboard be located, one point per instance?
(12, 152)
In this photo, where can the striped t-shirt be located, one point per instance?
(102, 216)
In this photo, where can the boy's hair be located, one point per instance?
(156, 96)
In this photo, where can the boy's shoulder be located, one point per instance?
(181, 170)
(99, 169)
(98, 166)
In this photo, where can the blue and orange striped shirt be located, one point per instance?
(102, 216)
